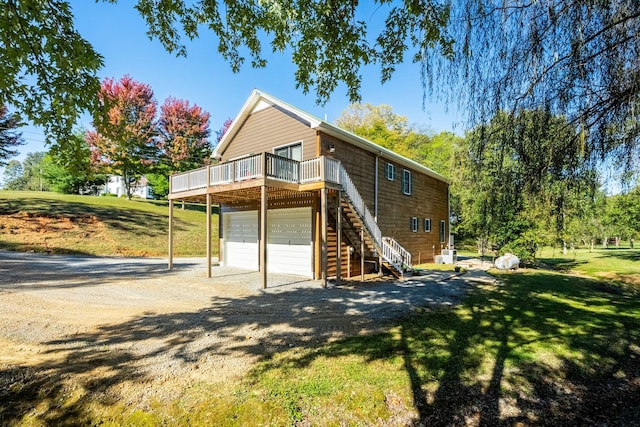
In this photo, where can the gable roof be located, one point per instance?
(259, 100)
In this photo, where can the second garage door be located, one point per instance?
(289, 241)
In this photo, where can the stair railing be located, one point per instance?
(390, 249)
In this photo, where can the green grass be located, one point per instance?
(537, 347)
(55, 223)
(617, 265)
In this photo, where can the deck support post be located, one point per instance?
(220, 236)
(263, 236)
(170, 262)
(325, 218)
(362, 254)
(339, 239)
(208, 235)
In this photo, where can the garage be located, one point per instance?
(289, 241)
(241, 239)
(289, 248)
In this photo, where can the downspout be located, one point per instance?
(375, 194)
(449, 216)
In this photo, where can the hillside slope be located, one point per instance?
(74, 224)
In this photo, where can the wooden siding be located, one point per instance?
(268, 128)
(359, 164)
(428, 199)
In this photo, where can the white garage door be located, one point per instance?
(289, 241)
(289, 247)
(241, 239)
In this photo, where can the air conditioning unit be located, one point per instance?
(449, 256)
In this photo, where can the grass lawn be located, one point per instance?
(538, 347)
(619, 265)
(74, 224)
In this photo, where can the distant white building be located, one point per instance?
(115, 185)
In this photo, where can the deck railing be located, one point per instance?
(221, 174)
(282, 169)
(310, 170)
(248, 168)
(251, 167)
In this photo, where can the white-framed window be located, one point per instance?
(442, 230)
(290, 151)
(414, 224)
(426, 224)
(391, 171)
(406, 182)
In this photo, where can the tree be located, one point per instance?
(68, 168)
(377, 123)
(48, 69)
(184, 131)
(8, 135)
(125, 138)
(518, 179)
(13, 176)
(28, 175)
(569, 57)
(223, 129)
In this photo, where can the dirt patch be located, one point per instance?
(43, 233)
(629, 279)
(61, 234)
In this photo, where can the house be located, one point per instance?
(115, 185)
(299, 195)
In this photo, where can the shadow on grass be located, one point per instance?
(541, 349)
(625, 254)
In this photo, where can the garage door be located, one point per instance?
(289, 241)
(241, 239)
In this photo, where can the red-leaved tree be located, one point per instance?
(124, 141)
(225, 127)
(185, 131)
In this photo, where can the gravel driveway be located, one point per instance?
(125, 323)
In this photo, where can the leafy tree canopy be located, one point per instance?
(519, 178)
(28, 175)
(569, 57)
(48, 69)
(184, 133)
(124, 141)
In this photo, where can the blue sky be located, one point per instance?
(119, 33)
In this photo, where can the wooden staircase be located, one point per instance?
(356, 228)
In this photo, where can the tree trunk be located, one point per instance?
(564, 247)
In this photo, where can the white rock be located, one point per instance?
(507, 262)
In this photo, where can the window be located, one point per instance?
(427, 225)
(442, 230)
(391, 172)
(293, 151)
(414, 224)
(406, 182)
